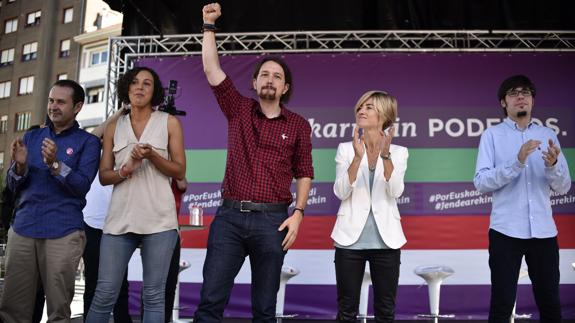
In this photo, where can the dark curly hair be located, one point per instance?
(287, 74)
(126, 80)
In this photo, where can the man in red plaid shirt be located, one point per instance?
(268, 146)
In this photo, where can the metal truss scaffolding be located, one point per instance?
(124, 51)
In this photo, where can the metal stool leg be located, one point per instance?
(176, 310)
(287, 274)
(522, 273)
(364, 297)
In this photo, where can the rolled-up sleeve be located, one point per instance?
(303, 163)
(231, 102)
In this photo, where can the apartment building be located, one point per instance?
(100, 24)
(36, 49)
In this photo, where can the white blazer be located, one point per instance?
(356, 198)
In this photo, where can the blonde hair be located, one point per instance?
(385, 104)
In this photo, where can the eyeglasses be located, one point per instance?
(515, 93)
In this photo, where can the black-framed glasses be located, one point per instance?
(515, 93)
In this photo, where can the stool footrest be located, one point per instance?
(437, 315)
(286, 316)
(182, 307)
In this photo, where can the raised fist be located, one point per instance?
(211, 12)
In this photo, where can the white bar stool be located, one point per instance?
(434, 276)
(287, 273)
(364, 297)
(522, 273)
(184, 264)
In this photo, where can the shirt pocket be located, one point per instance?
(121, 150)
(507, 151)
(280, 145)
(159, 145)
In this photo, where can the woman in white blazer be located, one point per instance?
(369, 177)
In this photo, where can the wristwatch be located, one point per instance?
(386, 157)
(55, 165)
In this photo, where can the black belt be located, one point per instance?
(249, 206)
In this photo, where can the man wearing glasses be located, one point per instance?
(520, 162)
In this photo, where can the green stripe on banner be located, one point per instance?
(424, 165)
(570, 156)
(441, 165)
(205, 165)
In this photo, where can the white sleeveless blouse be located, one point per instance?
(144, 203)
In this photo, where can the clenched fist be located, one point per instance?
(211, 13)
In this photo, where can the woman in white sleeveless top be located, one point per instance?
(369, 177)
(142, 150)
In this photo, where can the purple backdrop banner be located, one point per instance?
(445, 100)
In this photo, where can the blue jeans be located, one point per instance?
(91, 258)
(233, 236)
(115, 253)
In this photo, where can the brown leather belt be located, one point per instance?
(249, 206)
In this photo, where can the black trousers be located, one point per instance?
(349, 269)
(542, 258)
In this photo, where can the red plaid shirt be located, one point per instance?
(264, 155)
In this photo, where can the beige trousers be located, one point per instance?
(54, 262)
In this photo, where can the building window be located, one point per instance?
(63, 76)
(30, 51)
(33, 18)
(4, 124)
(99, 57)
(65, 48)
(11, 25)
(7, 57)
(68, 15)
(5, 88)
(26, 85)
(95, 94)
(22, 122)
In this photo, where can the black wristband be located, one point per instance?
(298, 209)
(209, 27)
